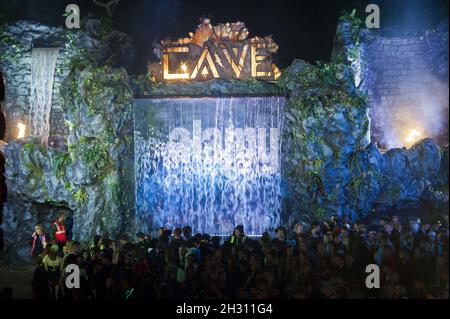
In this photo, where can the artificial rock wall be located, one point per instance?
(17, 74)
(405, 77)
(85, 169)
(330, 165)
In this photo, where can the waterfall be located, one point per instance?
(211, 163)
(43, 62)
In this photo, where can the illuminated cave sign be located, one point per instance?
(219, 52)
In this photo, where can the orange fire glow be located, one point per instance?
(413, 136)
(21, 130)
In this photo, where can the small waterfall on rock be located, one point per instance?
(211, 163)
(43, 62)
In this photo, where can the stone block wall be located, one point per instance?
(406, 90)
(406, 80)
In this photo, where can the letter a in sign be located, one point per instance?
(204, 62)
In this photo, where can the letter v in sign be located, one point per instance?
(236, 57)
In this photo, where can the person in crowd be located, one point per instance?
(143, 243)
(177, 239)
(52, 265)
(38, 241)
(39, 283)
(323, 260)
(238, 238)
(59, 231)
(187, 233)
(280, 241)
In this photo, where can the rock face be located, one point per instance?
(88, 172)
(326, 121)
(18, 227)
(36, 193)
(92, 44)
(24, 35)
(92, 178)
(404, 75)
(99, 110)
(143, 87)
(329, 163)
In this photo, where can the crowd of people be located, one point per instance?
(325, 259)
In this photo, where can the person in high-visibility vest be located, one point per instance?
(59, 231)
(238, 238)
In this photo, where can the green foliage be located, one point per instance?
(77, 58)
(30, 147)
(322, 86)
(319, 213)
(317, 93)
(93, 152)
(100, 78)
(12, 50)
(143, 83)
(68, 186)
(96, 156)
(60, 162)
(355, 185)
(69, 124)
(81, 196)
(253, 83)
(314, 184)
(33, 166)
(355, 21)
(353, 161)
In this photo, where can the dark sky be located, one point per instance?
(303, 29)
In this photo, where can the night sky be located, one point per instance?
(303, 29)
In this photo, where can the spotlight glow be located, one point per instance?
(184, 68)
(413, 136)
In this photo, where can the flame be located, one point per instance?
(21, 128)
(184, 68)
(205, 72)
(413, 136)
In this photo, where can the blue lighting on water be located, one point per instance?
(210, 163)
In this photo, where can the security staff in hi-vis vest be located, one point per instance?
(59, 231)
(238, 238)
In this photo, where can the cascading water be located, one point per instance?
(43, 62)
(211, 163)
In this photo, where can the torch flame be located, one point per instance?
(21, 128)
(413, 136)
(184, 67)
